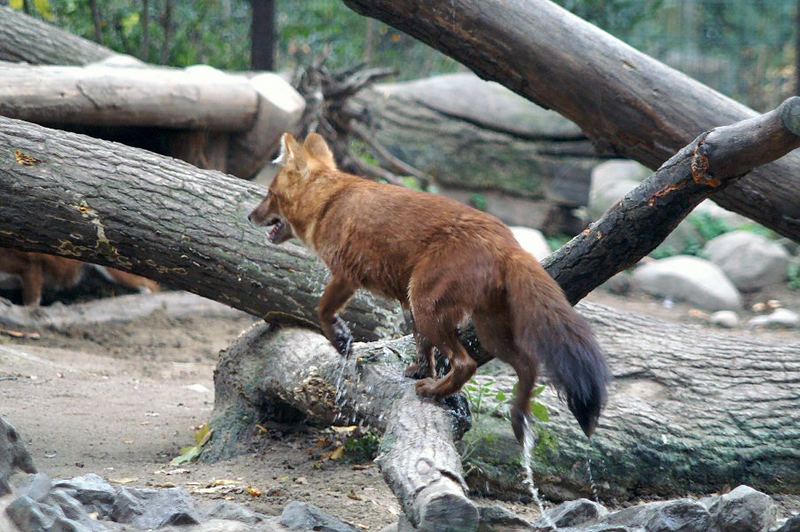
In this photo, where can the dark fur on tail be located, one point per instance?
(547, 328)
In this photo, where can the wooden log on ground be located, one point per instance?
(106, 203)
(479, 136)
(114, 309)
(116, 96)
(689, 411)
(628, 103)
(26, 39)
(268, 371)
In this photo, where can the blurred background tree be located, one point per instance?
(744, 48)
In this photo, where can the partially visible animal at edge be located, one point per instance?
(37, 271)
(446, 263)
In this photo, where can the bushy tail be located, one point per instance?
(547, 328)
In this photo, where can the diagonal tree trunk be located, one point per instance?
(627, 102)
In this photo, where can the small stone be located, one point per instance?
(725, 318)
(232, 512)
(779, 318)
(301, 480)
(743, 510)
(496, 518)
(302, 516)
(791, 525)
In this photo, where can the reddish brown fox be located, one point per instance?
(446, 263)
(37, 270)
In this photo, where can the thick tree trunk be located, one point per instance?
(106, 203)
(628, 103)
(688, 412)
(262, 35)
(26, 39)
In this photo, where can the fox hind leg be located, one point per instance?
(425, 363)
(32, 284)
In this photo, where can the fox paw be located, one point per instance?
(415, 371)
(342, 337)
(425, 387)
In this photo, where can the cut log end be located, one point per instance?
(790, 114)
(440, 507)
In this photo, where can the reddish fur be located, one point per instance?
(37, 270)
(444, 261)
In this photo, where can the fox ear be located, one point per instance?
(317, 148)
(291, 154)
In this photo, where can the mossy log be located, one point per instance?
(688, 411)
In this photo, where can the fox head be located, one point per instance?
(283, 206)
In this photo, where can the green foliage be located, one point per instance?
(362, 448)
(557, 241)
(794, 275)
(479, 202)
(709, 226)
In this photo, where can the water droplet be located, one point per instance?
(527, 449)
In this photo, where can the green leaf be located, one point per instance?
(540, 412)
(501, 396)
(538, 390)
(190, 454)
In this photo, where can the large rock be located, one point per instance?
(691, 279)
(749, 260)
(532, 241)
(743, 510)
(148, 508)
(683, 515)
(13, 455)
(779, 318)
(611, 180)
(573, 513)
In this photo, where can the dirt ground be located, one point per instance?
(121, 400)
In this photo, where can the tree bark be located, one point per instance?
(266, 372)
(24, 38)
(106, 203)
(628, 103)
(688, 411)
(262, 35)
(638, 223)
(115, 96)
(97, 21)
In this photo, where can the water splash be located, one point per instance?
(527, 450)
(591, 477)
(339, 381)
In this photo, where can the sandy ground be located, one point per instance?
(121, 401)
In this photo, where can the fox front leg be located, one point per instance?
(336, 295)
(425, 364)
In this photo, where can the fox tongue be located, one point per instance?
(276, 229)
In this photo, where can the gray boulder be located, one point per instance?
(743, 510)
(94, 493)
(790, 525)
(497, 519)
(749, 260)
(148, 508)
(727, 319)
(13, 455)
(302, 516)
(683, 515)
(691, 279)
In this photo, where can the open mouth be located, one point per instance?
(279, 232)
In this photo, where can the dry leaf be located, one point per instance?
(253, 492)
(345, 430)
(353, 495)
(337, 454)
(25, 160)
(124, 480)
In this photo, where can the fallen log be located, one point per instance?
(628, 103)
(26, 39)
(116, 96)
(199, 114)
(479, 136)
(167, 220)
(689, 411)
(267, 371)
(109, 310)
